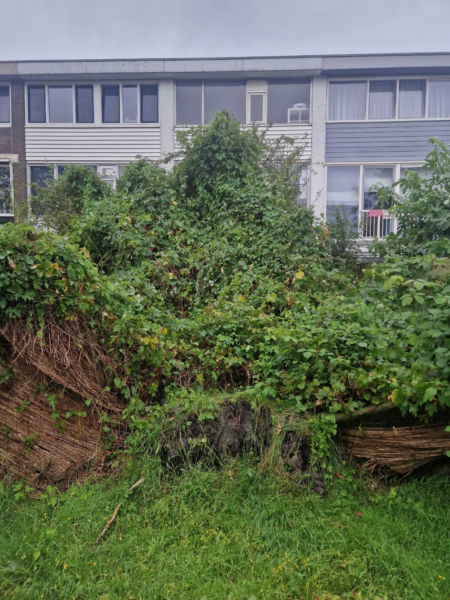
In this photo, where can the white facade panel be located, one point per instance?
(300, 133)
(89, 144)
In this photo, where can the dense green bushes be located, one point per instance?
(211, 277)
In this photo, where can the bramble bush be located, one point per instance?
(210, 277)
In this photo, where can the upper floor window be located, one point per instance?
(382, 99)
(60, 103)
(5, 105)
(386, 99)
(288, 101)
(439, 99)
(124, 103)
(224, 95)
(189, 103)
(348, 100)
(274, 101)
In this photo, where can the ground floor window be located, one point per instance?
(40, 174)
(352, 190)
(6, 203)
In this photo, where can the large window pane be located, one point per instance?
(411, 99)
(129, 104)
(439, 99)
(373, 177)
(285, 95)
(85, 103)
(4, 104)
(348, 100)
(111, 103)
(382, 99)
(225, 95)
(343, 192)
(5, 190)
(36, 104)
(60, 103)
(149, 103)
(189, 103)
(39, 176)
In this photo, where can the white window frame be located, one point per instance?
(425, 78)
(253, 87)
(121, 122)
(11, 171)
(9, 123)
(54, 166)
(395, 165)
(97, 98)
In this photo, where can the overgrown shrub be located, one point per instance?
(210, 277)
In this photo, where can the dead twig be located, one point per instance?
(114, 515)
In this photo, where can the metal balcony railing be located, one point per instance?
(375, 224)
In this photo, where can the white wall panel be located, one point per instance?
(91, 144)
(300, 133)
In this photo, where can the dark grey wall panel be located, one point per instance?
(383, 141)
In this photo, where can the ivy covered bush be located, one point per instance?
(210, 278)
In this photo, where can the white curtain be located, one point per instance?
(348, 101)
(382, 100)
(412, 99)
(439, 99)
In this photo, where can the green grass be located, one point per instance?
(236, 533)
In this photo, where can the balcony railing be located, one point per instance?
(375, 223)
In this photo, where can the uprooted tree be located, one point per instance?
(190, 291)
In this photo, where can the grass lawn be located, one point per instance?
(236, 533)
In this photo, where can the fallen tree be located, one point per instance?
(204, 281)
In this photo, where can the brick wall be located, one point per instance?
(18, 147)
(5, 140)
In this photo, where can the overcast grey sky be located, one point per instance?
(46, 29)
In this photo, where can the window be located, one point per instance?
(257, 108)
(109, 174)
(4, 104)
(439, 99)
(5, 190)
(411, 99)
(36, 104)
(343, 191)
(120, 103)
(189, 103)
(288, 101)
(378, 99)
(60, 101)
(130, 103)
(373, 177)
(39, 175)
(225, 95)
(149, 103)
(111, 103)
(85, 103)
(302, 198)
(348, 100)
(382, 99)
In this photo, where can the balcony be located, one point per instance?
(375, 224)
